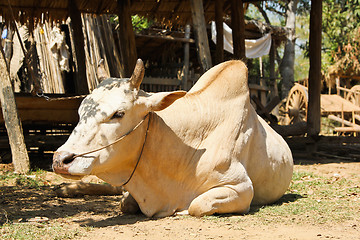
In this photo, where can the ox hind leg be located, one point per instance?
(223, 199)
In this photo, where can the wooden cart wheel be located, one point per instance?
(296, 104)
(354, 95)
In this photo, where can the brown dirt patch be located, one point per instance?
(98, 217)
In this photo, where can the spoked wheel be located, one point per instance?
(354, 95)
(296, 104)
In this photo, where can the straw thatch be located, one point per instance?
(99, 44)
(53, 55)
(169, 12)
(98, 34)
(51, 77)
(34, 11)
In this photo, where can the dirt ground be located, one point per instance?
(98, 217)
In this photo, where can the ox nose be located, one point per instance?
(61, 161)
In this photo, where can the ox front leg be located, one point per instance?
(128, 204)
(224, 199)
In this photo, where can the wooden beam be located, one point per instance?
(38, 110)
(167, 38)
(272, 56)
(8, 49)
(347, 129)
(19, 8)
(261, 109)
(12, 123)
(272, 104)
(343, 121)
(126, 35)
(314, 111)
(201, 37)
(161, 81)
(296, 129)
(219, 14)
(186, 59)
(78, 51)
(238, 28)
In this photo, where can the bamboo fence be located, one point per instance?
(99, 43)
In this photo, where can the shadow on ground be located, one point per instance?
(21, 203)
(286, 198)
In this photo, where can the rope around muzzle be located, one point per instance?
(121, 138)
(118, 140)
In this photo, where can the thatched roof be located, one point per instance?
(166, 11)
(56, 10)
(170, 12)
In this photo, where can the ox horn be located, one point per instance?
(138, 74)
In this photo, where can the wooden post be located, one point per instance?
(126, 35)
(186, 58)
(337, 85)
(12, 123)
(78, 51)
(238, 28)
(219, 14)
(201, 37)
(8, 49)
(274, 92)
(314, 111)
(32, 63)
(274, 89)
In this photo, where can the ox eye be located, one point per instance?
(118, 114)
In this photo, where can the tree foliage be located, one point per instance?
(279, 8)
(341, 28)
(140, 23)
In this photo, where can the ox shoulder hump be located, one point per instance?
(231, 74)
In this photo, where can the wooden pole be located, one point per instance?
(272, 56)
(166, 38)
(77, 38)
(201, 37)
(186, 58)
(33, 67)
(219, 14)
(20, 157)
(314, 111)
(126, 35)
(274, 90)
(347, 129)
(8, 49)
(343, 121)
(238, 29)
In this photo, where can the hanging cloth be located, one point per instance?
(254, 48)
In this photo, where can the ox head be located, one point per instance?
(114, 108)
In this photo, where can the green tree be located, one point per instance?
(286, 11)
(341, 39)
(140, 23)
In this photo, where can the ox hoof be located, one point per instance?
(128, 204)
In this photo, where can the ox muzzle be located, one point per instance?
(62, 161)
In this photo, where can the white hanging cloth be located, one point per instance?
(254, 48)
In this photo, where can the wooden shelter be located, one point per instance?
(169, 12)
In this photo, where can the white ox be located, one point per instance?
(206, 151)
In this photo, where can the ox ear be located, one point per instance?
(160, 101)
(138, 74)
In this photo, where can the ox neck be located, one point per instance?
(141, 151)
(166, 160)
(105, 177)
(165, 152)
